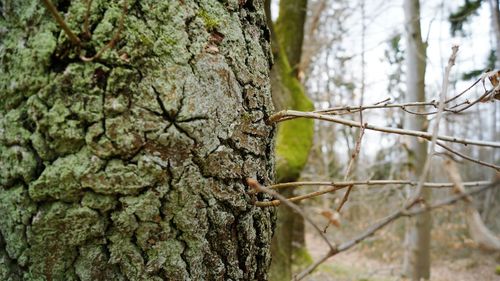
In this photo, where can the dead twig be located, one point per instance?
(86, 21)
(53, 11)
(341, 185)
(113, 40)
(75, 40)
(357, 148)
(254, 184)
(486, 164)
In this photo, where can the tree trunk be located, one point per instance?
(417, 240)
(290, 30)
(491, 194)
(133, 166)
(294, 138)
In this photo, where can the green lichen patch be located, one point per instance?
(121, 178)
(210, 22)
(17, 163)
(146, 206)
(67, 134)
(127, 254)
(62, 110)
(124, 134)
(124, 223)
(92, 264)
(25, 51)
(16, 210)
(56, 232)
(62, 179)
(103, 203)
(12, 131)
(169, 255)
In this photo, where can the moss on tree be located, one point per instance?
(294, 138)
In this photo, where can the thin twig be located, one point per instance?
(425, 135)
(379, 105)
(357, 148)
(338, 186)
(341, 110)
(450, 201)
(373, 182)
(474, 102)
(86, 21)
(490, 165)
(463, 92)
(435, 129)
(113, 40)
(53, 10)
(297, 198)
(258, 187)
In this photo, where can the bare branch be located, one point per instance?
(425, 135)
(258, 187)
(357, 148)
(341, 185)
(451, 200)
(373, 182)
(297, 198)
(482, 97)
(495, 167)
(463, 92)
(385, 104)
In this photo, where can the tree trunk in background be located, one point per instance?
(133, 167)
(290, 29)
(495, 22)
(417, 240)
(294, 138)
(490, 195)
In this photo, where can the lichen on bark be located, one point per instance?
(133, 166)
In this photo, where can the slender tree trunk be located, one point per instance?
(490, 195)
(133, 166)
(417, 256)
(495, 22)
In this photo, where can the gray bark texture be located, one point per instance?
(133, 166)
(418, 234)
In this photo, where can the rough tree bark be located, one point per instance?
(294, 138)
(133, 166)
(417, 241)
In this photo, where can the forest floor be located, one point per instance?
(360, 265)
